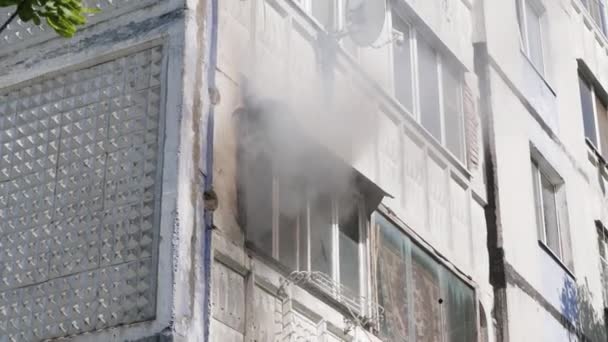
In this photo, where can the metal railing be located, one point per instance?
(362, 310)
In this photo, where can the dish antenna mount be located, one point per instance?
(364, 20)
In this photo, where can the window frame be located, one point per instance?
(363, 295)
(441, 269)
(564, 256)
(596, 144)
(538, 173)
(441, 63)
(602, 25)
(524, 38)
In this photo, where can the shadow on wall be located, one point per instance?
(577, 307)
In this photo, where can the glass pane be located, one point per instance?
(349, 246)
(321, 235)
(290, 208)
(258, 203)
(392, 282)
(550, 215)
(429, 90)
(402, 64)
(602, 123)
(534, 37)
(452, 97)
(323, 11)
(427, 295)
(587, 107)
(460, 308)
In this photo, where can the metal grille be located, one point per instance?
(78, 190)
(364, 310)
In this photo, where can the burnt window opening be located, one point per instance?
(302, 206)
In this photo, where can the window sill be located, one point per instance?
(555, 258)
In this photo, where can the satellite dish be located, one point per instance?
(365, 20)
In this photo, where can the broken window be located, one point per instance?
(423, 300)
(530, 18)
(296, 214)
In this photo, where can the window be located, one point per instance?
(595, 116)
(551, 211)
(438, 89)
(430, 116)
(597, 10)
(422, 299)
(452, 108)
(297, 217)
(314, 232)
(402, 64)
(530, 18)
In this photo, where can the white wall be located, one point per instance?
(546, 113)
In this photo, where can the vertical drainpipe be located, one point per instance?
(208, 215)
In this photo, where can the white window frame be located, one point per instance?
(540, 211)
(597, 145)
(363, 243)
(602, 25)
(524, 38)
(415, 112)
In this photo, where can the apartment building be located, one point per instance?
(350, 177)
(306, 170)
(542, 71)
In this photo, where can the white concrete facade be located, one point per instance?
(457, 191)
(537, 114)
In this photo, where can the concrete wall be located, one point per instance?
(173, 280)
(529, 109)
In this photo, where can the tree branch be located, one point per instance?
(12, 17)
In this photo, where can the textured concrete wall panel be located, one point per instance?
(79, 171)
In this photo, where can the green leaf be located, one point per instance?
(6, 3)
(63, 16)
